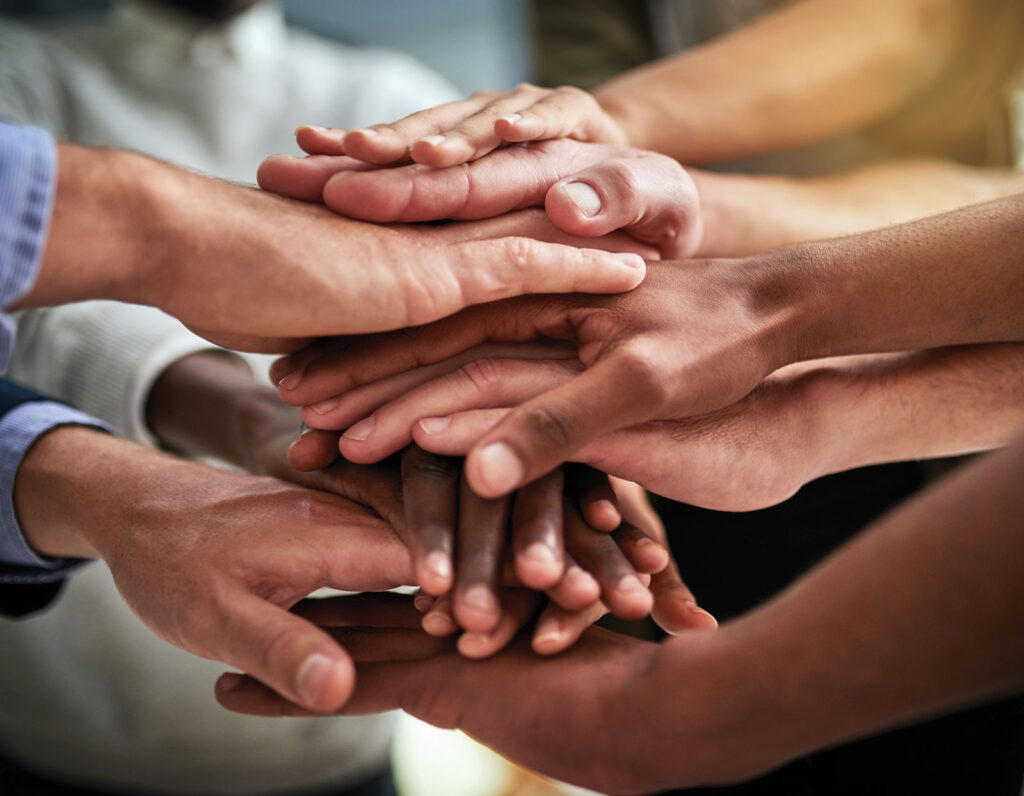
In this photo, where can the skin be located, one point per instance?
(592, 189)
(951, 279)
(210, 560)
(802, 422)
(208, 404)
(890, 628)
(854, 64)
(134, 229)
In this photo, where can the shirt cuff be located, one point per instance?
(19, 430)
(28, 169)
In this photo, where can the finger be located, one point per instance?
(519, 606)
(360, 610)
(650, 196)
(313, 450)
(243, 694)
(558, 629)
(480, 553)
(621, 590)
(439, 620)
(577, 590)
(545, 431)
(537, 532)
(480, 383)
(316, 140)
(595, 496)
(474, 136)
(485, 271)
(645, 554)
(296, 659)
(507, 180)
(389, 644)
(564, 112)
(303, 178)
(361, 402)
(455, 435)
(675, 608)
(430, 494)
(389, 143)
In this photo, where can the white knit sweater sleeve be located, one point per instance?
(102, 357)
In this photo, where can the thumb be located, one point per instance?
(650, 196)
(299, 661)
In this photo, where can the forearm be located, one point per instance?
(75, 484)
(745, 214)
(920, 614)
(104, 229)
(922, 405)
(809, 70)
(952, 279)
(209, 404)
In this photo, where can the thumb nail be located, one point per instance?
(586, 199)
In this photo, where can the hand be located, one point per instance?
(693, 338)
(587, 190)
(251, 270)
(211, 561)
(604, 684)
(460, 131)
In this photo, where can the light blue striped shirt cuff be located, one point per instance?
(28, 171)
(19, 430)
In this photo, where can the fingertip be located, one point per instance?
(324, 682)
(477, 609)
(538, 567)
(434, 573)
(494, 470)
(602, 515)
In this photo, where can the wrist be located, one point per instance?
(101, 238)
(58, 502)
(784, 303)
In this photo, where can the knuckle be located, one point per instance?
(644, 371)
(521, 252)
(416, 461)
(482, 375)
(553, 426)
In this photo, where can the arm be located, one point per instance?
(804, 72)
(801, 73)
(593, 189)
(209, 560)
(134, 229)
(950, 279)
(918, 615)
(800, 423)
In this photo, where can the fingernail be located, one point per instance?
(434, 140)
(435, 425)
(578, 576)
(438, 563)
(366, 131)
(540, 553)
(549, 631)
(586, 199)
(438, 623)
(632, 260)
(472, 637)
(480, 598)
(361, 430)
(630, 585)
(291, 381)
(324, 407)
(315, 127)
(314, 675)
(500, 468)
(230, 682)
(422, 602)
(512, 118)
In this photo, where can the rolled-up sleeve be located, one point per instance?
(28, 165)
(19, 430)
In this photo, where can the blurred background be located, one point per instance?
(493, 35)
